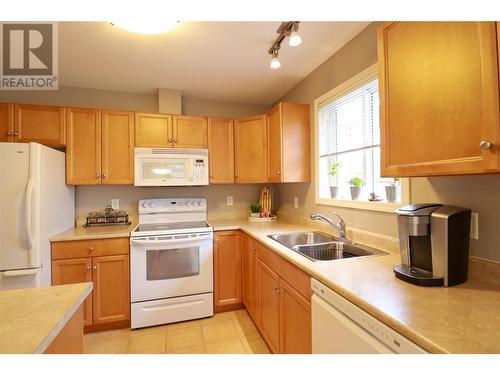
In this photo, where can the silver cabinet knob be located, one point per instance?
(15, 134)
(485, 145)
(94, 268)
(175, 140)
(87, 268)
(170, 140)
(104, 176)
(91, 249)
(9, 134)
(97, 175)
(278, 173)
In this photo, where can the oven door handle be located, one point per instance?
(170, 242)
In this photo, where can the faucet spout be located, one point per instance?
(340, 227)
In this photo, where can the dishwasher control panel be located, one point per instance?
(395, 341)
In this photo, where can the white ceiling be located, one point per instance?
(212, 60)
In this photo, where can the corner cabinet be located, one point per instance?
(250, 154)
(439, 98)
(288, 143)
(100, 146)
(105, 262)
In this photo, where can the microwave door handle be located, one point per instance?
(170, 242)
(29, 223)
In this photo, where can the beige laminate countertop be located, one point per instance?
(31, 318)
(94, 233)
(459, 319)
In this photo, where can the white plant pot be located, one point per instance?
(334, 190)
(355, 192)
(255, 214)
(393, 193)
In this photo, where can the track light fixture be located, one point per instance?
(287, 29)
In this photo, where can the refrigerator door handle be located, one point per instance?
(29, 227)
(27, 272)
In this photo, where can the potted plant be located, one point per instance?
(356, 183)
(334, 189)
(393, 191)
(255, 210)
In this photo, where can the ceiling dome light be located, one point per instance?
(145, 26)
(295, 39)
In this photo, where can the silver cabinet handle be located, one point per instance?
(170, 140)
(94, 268)
(278, 173)
(97, 175)
(175, 140)
(9, 134)
(485, 145)
(15, 134)
(104, 176)
(87, 268)
(91, 249)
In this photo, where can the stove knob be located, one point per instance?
(144, 204)
(199, 203)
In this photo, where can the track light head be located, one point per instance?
(275, 63)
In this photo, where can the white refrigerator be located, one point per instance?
(35, 204)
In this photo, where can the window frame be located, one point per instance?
(343, 89)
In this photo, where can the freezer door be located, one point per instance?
(14, 176)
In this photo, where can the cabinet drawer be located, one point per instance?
(86, 248)
(298, 279)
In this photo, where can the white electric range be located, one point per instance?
(171, 262)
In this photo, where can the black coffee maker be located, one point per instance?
(434, 244)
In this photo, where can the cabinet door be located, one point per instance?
(439, 98)
(227, 268)
(83, 149)
(269, 302)
(295, 321)
(42, 124)
(72, 271)
(221, 150)
(190, 131)
(117, 148)
(250, 143)
(248, 266)
(6, 122)
(153, 130)
(111, 288)
(274, 144)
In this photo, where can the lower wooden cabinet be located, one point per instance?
(269, 302)
(249, 276)
(109, 302)
(227, 270)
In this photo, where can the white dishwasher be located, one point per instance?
(340, 327)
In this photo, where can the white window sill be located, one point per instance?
(361, 205)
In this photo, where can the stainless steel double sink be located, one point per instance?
(319, 246)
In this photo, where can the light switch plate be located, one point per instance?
(229, 201)
(474, 226)
(115, 204)
(295, 202)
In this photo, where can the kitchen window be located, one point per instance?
(348, 144)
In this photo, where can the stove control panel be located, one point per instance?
(172, 205)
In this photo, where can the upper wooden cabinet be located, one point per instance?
(288, 143)
(153, 130)
(6, 122)
(117, 148)
(439, 98)
(100, 147)
(250, 143)
(190, 131)
(227, 270)
(221, 150)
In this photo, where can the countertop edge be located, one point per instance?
(40, 349)
(59, 238)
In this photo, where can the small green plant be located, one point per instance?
(333, 168)
(396, 180)
(255, 208)
(356, 181)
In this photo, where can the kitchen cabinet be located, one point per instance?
(288, 147)
(6, 122)
(227, 270)
(105, 262)
(190, 131)
(153, 130)
(99, 147)
(269, 302)
(73, 271)
(250, 143)
(42, 124)
(221, 150)
(249, 275)
(439, 98)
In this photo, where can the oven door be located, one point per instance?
(171, 266)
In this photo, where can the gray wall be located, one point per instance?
(480, 193)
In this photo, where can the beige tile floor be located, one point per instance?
(226, 333)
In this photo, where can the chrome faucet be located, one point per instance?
(340, 227)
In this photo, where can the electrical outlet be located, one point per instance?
(474, 226)
(115, 204)
(229, 201)
(295, 202)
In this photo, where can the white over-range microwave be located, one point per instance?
(170, 166)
